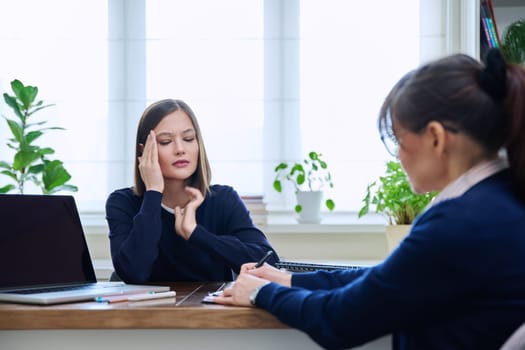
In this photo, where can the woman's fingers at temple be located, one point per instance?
(149, 165)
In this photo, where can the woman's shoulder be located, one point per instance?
(125, 194)
(221, 190)
(222, 193)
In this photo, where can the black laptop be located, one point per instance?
(44, 258)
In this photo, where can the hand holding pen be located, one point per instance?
(263, 259)
(267, 272)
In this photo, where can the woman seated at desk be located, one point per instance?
(457, 281)
(173, 225)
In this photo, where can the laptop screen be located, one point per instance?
(42, 242)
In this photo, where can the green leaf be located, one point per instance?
(11, 102)
(277, 186)
(27, 95)
(330, 204)
(36, 169)
(32, 136)
(7, 188)
(62, 188)
(297, 168)
(298, 208)
(16, 130)
(24, 158)
(300, 179)
(54, 175)
(46, 151)
(17, 87)
(38, 109)
(5, 165)
(281, 166)
(9, 173)
(363, 211)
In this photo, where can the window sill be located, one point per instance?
(279, 221)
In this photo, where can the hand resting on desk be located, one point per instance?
(248, 280)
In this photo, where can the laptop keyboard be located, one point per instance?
(295, 266)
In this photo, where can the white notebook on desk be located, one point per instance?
(44, 257)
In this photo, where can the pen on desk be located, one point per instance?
(263, 260)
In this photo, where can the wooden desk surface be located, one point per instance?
(183, 312)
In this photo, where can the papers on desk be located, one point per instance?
(209, 299)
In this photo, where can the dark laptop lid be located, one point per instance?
(42, 242)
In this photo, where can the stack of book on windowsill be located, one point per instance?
(257, 209)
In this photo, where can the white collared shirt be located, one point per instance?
(470, 178)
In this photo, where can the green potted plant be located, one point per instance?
(391, 195)
(308, 177)
(30, 162)
(513, 43)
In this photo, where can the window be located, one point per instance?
(211, 54)
(351, 54)
(60, 46)
(268, 80)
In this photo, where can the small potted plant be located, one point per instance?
(392, 196)
(308, 177)
(30, 161)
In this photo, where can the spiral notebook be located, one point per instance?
(44, 257)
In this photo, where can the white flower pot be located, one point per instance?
(310, 201)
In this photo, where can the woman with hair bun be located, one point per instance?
(457, 281)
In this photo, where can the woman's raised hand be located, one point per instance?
(185, 220)
(149, 166)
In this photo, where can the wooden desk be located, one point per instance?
(182, 322)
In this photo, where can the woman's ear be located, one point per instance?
(437, 137)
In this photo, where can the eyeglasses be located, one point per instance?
(391, 142)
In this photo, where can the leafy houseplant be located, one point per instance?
(513, 43)
(392, 196)
(309, 175)
(30, 162)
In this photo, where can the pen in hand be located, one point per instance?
(263, 260)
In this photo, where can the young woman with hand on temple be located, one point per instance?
(173, 225)
(457, 281)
